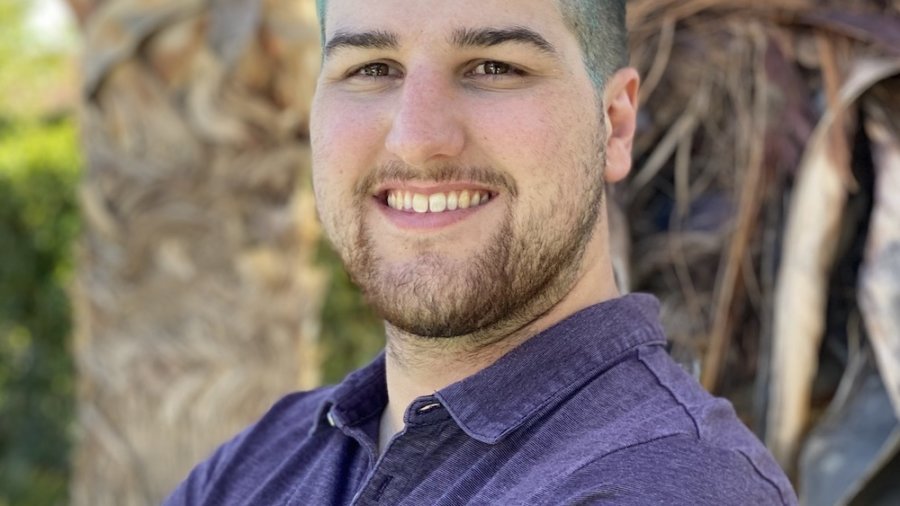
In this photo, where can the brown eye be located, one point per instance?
(493, 68)
(375, 70)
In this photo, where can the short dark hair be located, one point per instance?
(599, 26)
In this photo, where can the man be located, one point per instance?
(460, 153)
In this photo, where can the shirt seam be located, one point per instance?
(764, 476)
(700, 438)
(674, 397)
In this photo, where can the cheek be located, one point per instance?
(346, 139)
(542, 147)
(531, 131)
(546, 150)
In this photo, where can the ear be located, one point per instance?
(621, 101)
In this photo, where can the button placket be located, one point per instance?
(387, 479)
(392, 472)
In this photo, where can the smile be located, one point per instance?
(405, 200)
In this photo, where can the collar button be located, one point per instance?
(428, 407)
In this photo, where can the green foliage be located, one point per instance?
(38, 222)
(39, 167)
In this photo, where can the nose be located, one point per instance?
(426, 125)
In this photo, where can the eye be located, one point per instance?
(493, 68)
(373, 70)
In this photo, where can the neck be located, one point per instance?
(417, 366)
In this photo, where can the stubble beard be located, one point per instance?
(515, 278)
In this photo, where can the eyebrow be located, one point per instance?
(462, 38)
(365, 40)
(487, 37)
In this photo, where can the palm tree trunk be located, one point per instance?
(197, 299)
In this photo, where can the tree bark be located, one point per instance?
(197, 300)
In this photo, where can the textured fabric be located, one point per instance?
(591, 411)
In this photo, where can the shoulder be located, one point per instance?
(715, 423)
(671, 443)
(676, 469)
(267, 441)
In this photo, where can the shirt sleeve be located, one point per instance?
(195, 489)
(240, 468)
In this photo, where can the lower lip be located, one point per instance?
(426, 221)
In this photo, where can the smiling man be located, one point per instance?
(460, 153)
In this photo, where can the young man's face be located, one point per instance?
(458, 156)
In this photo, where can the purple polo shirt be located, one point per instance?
(590, 411)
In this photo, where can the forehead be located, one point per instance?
(439, 18)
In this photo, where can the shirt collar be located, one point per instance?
(359, 397)
(541, 372)
(532, 378)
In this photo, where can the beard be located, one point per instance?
(523, 270)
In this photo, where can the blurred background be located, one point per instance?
(163, 279)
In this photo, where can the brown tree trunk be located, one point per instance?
(197, 299)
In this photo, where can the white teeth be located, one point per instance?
(436, 202)
(464, 199)
(452, 201)
(420, 203)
